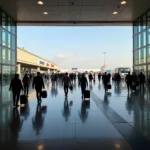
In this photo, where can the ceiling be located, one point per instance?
(74, 12)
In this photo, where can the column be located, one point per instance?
(48, 71)
(19, 69)
(38, 69)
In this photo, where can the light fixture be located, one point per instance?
(40, 2)
(115, 12)
(123, 2)
(45, 13)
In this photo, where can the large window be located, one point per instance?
(142, 56)
(136, 57)
(13, 57)
(148, 19)
(0, 54)
(148, 32)
(141, 39)
(7, 53)
(5, 74)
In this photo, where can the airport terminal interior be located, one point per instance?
(113, 120)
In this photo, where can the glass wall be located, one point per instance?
(7, 54)
(141, 44)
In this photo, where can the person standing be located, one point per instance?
(142, 80)
(38, 84)
(67, 82)
(26, 82)
(83, 83)
(129, 81)
(16, 87)
(105, 81)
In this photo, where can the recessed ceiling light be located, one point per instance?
(45, 13)
(115, 12)
(123, 2)
(40, 2)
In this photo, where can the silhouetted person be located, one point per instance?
(105, 81)
(99, 77)
(38, 84)
(16, 87)
(129, 81)
(109, 76)
(142, 80)
(30, 77)
(66, 81)
(83, 83)
(90, 77)
(118, 78)
(26, 82)
(38, 120)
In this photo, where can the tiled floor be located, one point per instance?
(108, 122)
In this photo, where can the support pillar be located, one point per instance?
(38, 69)
(19, 69)
(48, 71)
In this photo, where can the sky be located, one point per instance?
(79, 47)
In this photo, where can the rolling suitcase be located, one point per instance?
(87, 95)
(23, 99)
(44, 94)
(109, 86)
(133, 87)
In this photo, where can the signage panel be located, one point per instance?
(74, 68)
(52, 65)
(41, 62)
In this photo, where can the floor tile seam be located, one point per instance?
(114, 124)
(108, 108)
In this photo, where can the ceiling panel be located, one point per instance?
(74, 10)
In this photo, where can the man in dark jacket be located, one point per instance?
(129, 81)
(16, 87)
(105, 81)
(38, 84)
(83, 83)
(142, 79)
(26, 82)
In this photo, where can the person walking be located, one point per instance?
(26, 82)
(118, 78)
(67, 82)
(90, 77)
(129, 81)
(109, 77)
(105, 81)
(142, 80)
(16, 87)
(84, 84)
(99, 77)
(38, 84)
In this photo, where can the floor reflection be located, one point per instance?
(38, 120)
(85, 105)
(15, 125)
(66, 109)
(59, 117)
